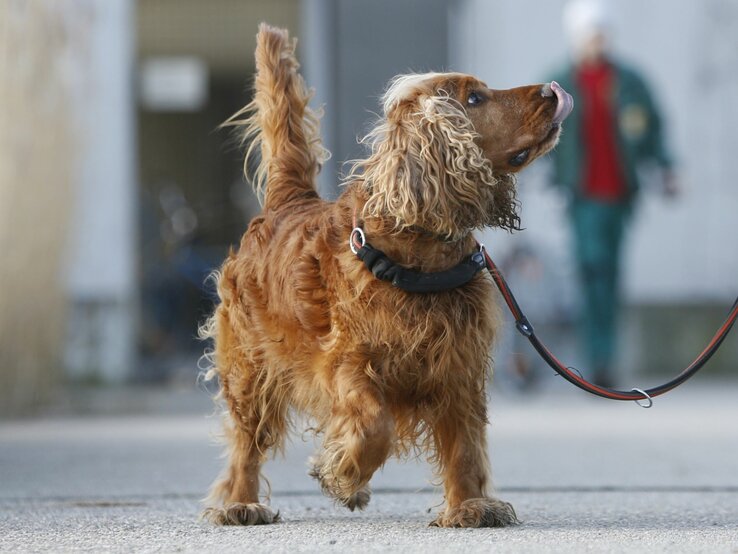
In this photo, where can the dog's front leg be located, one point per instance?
(358, 437)
(462, 455)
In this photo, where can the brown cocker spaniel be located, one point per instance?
(304, 326)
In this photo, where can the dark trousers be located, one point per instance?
(598, 233)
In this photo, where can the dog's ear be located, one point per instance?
(426, 170)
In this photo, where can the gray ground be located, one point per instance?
(584, 475)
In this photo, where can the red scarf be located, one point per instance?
(602, 176)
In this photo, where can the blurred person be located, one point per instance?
(614, 128)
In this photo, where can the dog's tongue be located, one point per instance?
(565, 103)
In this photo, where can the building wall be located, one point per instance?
(39, 46)
(352, 49)
(101, 271)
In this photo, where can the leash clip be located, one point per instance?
(639, 400)
(362, 237)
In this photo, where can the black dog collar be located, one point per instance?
(411, 280)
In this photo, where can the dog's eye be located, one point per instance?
(519, 158)
(474, 99)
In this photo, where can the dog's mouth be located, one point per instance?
(551, 138)
(525, 156)
(564, 107)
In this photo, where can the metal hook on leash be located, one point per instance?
(646, 397)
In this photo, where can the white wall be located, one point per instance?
(683, 250)
(101, 268)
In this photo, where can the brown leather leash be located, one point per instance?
(637, 395)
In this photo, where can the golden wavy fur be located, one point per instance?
(303, 326)
(425, 170)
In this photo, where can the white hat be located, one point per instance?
(583, 19)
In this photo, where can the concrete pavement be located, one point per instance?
(584, 474)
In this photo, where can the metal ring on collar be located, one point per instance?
(362, 238)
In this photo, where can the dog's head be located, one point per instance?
(444, 155)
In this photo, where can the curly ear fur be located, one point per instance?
(425, 169)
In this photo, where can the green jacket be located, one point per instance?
(638, 125)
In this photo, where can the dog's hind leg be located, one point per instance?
(462, 456)
(257, 416)
(358, 438)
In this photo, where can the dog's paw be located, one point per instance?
(241, 514)
(358, 500)
(478, 512)
(340, 491)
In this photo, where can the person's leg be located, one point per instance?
(597, 232)
(613, 218)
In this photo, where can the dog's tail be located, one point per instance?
(279, 124)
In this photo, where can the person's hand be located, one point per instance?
(671, 189)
